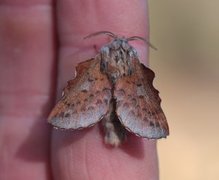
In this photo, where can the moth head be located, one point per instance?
(121, 41)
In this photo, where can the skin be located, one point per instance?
(40, 45)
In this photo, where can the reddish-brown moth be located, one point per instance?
(115, 88)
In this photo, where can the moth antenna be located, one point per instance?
(142, 39)
(101, 32)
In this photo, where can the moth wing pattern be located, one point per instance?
(85, 99)
(138, 104)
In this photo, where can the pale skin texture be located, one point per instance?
(33, 65)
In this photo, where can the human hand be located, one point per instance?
(40, 44)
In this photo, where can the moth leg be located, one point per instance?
(115, 133)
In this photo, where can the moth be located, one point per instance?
(116, 89)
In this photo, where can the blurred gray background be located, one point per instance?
(186, 64)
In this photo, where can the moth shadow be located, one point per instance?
(66, 138)
(36, 146)
(134, 146)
